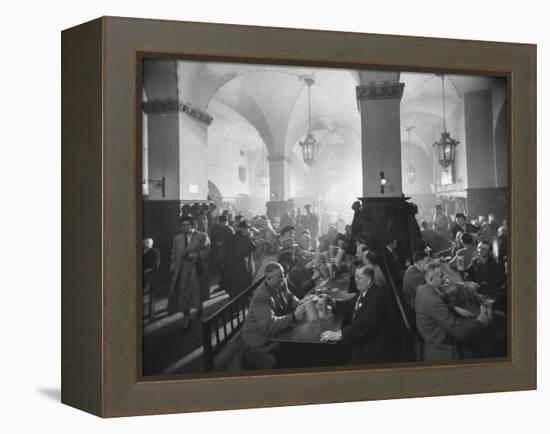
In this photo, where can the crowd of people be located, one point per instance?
(217, 247)
(462, 264)
(454, 300)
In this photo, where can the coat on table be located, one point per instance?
(185, 284)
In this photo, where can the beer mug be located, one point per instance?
(322, 306)
(311, 312)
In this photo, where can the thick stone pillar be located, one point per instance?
(162, 129)
(385, 217)
(279, 177)
(161, 150)
(176, 145)
(275, 208)
(381, 137)
(486, 156)
(384, 213)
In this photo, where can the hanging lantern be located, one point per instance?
(446, 145)
(308, 149)
(309, 144)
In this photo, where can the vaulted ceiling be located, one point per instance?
(272, 101)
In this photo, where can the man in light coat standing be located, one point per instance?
(190, 250)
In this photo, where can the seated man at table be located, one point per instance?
(302, 278)
(368, 334)
(464, 256)
(484, 270)
(414, 277)
(370, 259)
(272, 308)
(438, 322)
(304, 248)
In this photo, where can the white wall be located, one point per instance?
(30, 220)
(226, 141)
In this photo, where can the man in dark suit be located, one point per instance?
(311, 223)
(430, 237)
(394, 267)
(239, 267)
(368, 333)
(461, 225)
(484, 270)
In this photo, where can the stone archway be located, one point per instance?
(214, 194)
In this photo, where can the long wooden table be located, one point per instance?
(310, 331)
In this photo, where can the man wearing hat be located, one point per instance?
(236, 221)
(462, 225)
(311, 223)
(239, 267)
(221, 233)
(190, 249)
(287, 258)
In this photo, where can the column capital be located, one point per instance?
(382, 90)
(278, 157)
(172, 105)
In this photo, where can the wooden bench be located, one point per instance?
(220, 333)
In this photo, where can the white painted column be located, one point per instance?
(381, 137)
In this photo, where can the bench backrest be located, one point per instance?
(219, 328)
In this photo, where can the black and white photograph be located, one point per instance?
(305, 217)
(257, 217)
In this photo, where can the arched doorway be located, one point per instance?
(214, 194)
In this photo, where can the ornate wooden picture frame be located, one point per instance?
(101, 212)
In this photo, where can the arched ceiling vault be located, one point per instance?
(274, 100)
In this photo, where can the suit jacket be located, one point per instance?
(488, 274)
(412, 279)
(440, 326)
(432, 239)
(468, 228)
(270, 311)
(311, 222)
(395, 268)
(368, 334)
(238, 264)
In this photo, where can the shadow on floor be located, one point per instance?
(51, 393)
